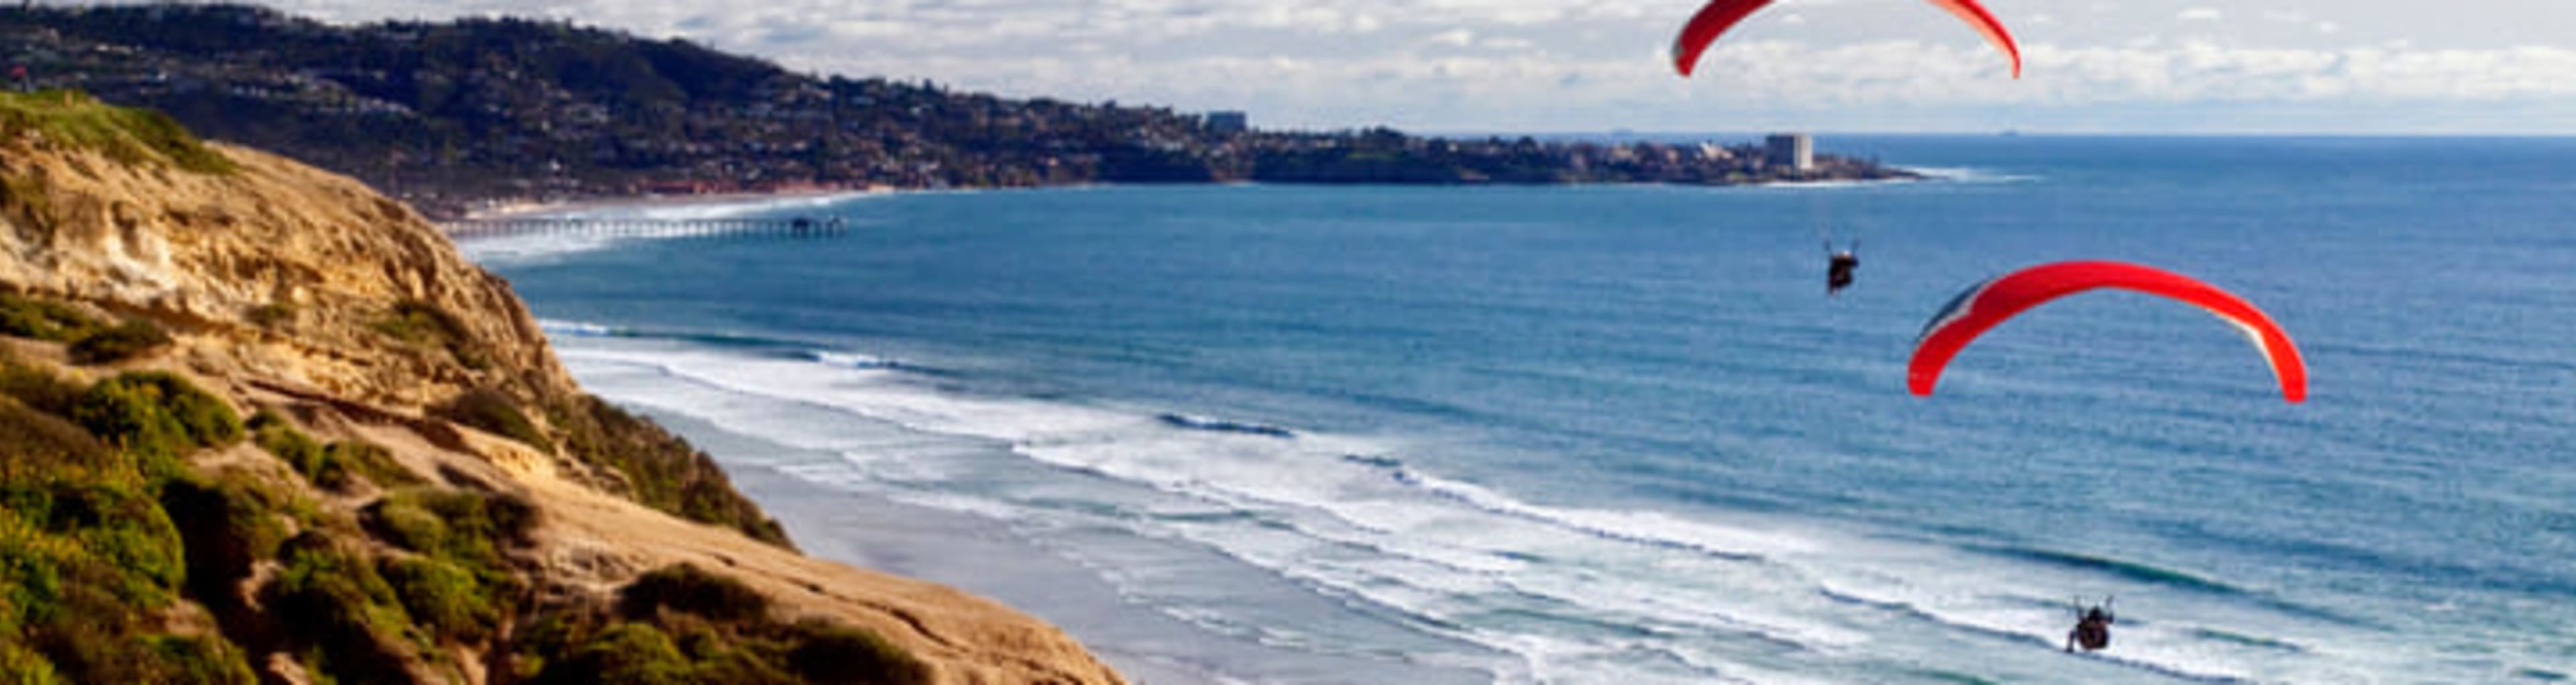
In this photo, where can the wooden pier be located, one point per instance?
(594, 227)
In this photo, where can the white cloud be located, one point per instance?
(1593, 64)
(1740, 82)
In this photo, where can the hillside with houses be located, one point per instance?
(453, 116)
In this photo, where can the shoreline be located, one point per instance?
(503, 211)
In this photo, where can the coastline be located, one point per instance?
(755, 201)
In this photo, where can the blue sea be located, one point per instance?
(1620, 434)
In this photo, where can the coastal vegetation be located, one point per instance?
(128, 135)
(119, 343)
(111, 540)
(337, 466)
(28, 317)
(651, 466)
(92, 341)
(680, 625)
(496, 412)
(91, 562)
(659, 469)
(422, 324)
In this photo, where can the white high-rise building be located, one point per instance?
(1792, 150)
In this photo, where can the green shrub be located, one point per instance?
(828, 653)
(27, 317)
(468, 528)
(34, 444)
(335, 466)
(31, 580)
(84, 585)
(401, 519)
(126, 341)
(338, 604)
(132, 136)
(423, 324)
(492, 411)
(196, 661)
(21, 666)
(722, 658)
(37, 387)
(300, 452)
(91, 558)
(228, 524)
(107, 521)
(121, 526)
(370, 460)
(625, 653)
(665, 472)
(93, 653)
(131, 417)
(446, 599)
(685, 588)
(209, 421)
(682, 625)
(157, 417)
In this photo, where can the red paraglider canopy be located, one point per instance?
(1720, 15)
(1988, 304)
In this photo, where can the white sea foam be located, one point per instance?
(1972, 175)
(575, 328)
(1829, 185)
(851, 360)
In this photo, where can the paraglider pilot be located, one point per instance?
(2092, 627)
(1839, 265)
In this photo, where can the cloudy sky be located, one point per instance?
(2357, 66)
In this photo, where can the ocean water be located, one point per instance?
(1255, 434)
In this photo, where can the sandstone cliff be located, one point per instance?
(422, 495)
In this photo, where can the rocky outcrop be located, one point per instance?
(275, 268)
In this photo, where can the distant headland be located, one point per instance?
(454, 117)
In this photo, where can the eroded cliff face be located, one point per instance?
(341, 318)
(276, 268)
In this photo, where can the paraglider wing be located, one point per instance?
(1989, 304)
(1719, 15)
(1985, 23)
(1705, 27)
